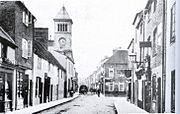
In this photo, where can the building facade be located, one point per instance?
(110, 76)
(115, 78)
(62, 45)
(170, 56)
(7, 72)
(48, 76)
(154, 50)
(18, 21)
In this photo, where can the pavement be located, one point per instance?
(43, 106)
(125, 107)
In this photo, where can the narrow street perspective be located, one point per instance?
(89, 56)
(85, 104)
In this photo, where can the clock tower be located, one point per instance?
(63, 33)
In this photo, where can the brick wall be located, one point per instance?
(11, 20)
(41, 34)
(151, 23)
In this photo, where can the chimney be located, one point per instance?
(41, 34)
(116, 49)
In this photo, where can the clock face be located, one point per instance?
(62, 42)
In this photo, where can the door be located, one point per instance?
(159, 95)
(30, 94)
(173, 91)
(25, 90)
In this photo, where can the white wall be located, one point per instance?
(170, 58)
(38, 73)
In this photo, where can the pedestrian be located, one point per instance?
(98, 92)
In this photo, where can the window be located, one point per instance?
(3, 51)
(26, 18)
(39, 63)
(111, 86)
(49, 67)
(155, 41)
(29, 48)
(24, 48)
(111, 72)
(62, 27)
(173, 21)
(121, 87)
(58, 25)
(65, 27)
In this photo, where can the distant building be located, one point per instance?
(61, 48)
(115, 78)
(18, 22)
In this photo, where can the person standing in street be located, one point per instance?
(98, 92)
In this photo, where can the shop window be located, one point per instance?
(3, 51)
(19, 84)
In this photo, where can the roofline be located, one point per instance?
(70, 59)
(130, 43)
(63, 20)
(50, 54)
(21, 3)
(148, 2)
(136, 17)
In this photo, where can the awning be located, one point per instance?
(4, 37)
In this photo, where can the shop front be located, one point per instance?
(6, 88)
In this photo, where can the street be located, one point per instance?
(85, 104)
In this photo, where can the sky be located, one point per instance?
(99, 26)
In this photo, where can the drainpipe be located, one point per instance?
(163, 56)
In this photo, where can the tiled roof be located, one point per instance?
(60, 57)
(119, 57)
(41, 51)
(62, 14)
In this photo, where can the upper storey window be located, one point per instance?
(27, 18)
(62, 28)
